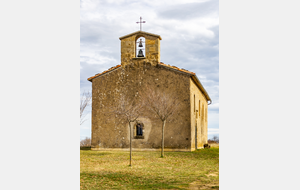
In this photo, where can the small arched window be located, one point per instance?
(140, 47)
(139, 130)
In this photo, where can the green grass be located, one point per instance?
(177, 170)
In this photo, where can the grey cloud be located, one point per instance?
(181, 47)
(96, 32)
(190, 10)
(89, 70)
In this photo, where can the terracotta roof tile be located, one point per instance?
(174, 67)
(161, 63)
(98, 74)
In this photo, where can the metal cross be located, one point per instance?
(141, 23)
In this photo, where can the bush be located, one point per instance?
(215, 139)
(85, 142)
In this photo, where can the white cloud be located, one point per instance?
(213, 131)
(214, 106)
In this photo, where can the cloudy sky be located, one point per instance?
(190, 40)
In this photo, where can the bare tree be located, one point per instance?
(123, 105)
(85, 142)
(128, 109)
(216, 139)
(85, 100)
(164, 105)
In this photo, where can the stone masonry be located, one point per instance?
(187, 129)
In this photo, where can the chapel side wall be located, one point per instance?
(109, 132)
(198, 119)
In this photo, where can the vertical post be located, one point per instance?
(162, 139)
(140, 23)
(130, 142)
(196, 136)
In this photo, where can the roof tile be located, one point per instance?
(174, 67)
(112, 68)
(161, 63)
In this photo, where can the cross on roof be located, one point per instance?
(141, 23)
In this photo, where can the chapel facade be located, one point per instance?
(140, 65)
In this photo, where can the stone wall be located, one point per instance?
(110, 132)
(183, 131)
(198, 116)
(128, 49)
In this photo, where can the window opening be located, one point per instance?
(199, 108)
(194, 104)
(206, 114)
(140, 44)
(139, 130)
(202, 111)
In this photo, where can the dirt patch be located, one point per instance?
(212, 174)
(199, 185)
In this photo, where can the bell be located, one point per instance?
(140, 53)
(140, 44)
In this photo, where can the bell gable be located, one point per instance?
(135, 52)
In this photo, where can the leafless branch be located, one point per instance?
(85, 100)
(123, 104)
(163, 104)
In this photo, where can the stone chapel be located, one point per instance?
(140, 64)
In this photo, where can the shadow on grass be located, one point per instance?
(85, 148)
(117, 180)
(177, 170)
(95, 153)
(204, 154)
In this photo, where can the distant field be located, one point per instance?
(177, 170)
(215, 145)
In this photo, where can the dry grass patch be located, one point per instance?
(177, 170)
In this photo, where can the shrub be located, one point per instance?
(85, 142)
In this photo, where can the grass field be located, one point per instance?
(177, 170)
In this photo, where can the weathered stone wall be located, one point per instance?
(198, 117)
(185, 131)
(108, 131)
(128, 49)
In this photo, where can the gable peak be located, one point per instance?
(140, 33)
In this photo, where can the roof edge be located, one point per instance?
(104, 72)
(176, 68)
(192, 75)
(198, 83)
(142, 32)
